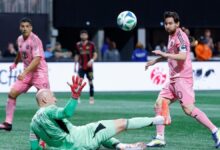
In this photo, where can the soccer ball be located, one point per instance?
(126, 20)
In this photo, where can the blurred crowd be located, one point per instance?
(203, 48)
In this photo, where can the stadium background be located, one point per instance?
(61, 20)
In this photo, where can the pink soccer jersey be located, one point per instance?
(181, 82)
(30, 48)
(179, 42)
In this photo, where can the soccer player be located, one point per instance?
(180, 85)
(35, 71)
(50, 125)
(86, 54)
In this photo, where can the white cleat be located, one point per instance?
(216, 138)
(135, 146)
(156, 143)
(91, 100)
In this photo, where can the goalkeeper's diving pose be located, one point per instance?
(50, 125)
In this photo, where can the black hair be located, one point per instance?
(83, 31)
(174, 15)
(25, 19)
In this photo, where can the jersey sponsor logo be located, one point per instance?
(202, 73)
(158, 76)
(171, 43)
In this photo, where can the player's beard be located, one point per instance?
(25, 34)
(84, 40)
(171, 32)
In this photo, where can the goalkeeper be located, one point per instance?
(50, 124)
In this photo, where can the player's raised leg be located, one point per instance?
(106, 129)
(135, 123)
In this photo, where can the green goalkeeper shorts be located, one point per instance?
(90, 136)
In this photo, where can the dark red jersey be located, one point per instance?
(85, 52)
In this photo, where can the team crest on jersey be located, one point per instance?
(171, 43)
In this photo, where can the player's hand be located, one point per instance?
(42, 144)
(159, 52)
(13, 66)
(76, 86)
(89, 64)
(149, 63)
(21, 76)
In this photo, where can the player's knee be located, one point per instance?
(188, 111)
(13, 94)
(121, 124)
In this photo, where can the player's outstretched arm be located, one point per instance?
(178, 56)
(152, 62)
(76, 89)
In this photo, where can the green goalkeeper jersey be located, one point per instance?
(50, 125)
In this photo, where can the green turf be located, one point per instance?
(184, 133)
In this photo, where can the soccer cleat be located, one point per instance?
(135, 146)
(166, 113)
(79, 101)
(216, 138)
(91, 100)
(6, 126)
(156, 143)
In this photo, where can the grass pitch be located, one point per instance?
(183, 134)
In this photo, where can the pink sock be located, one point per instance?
(159, 128)
(203, 119)
(10, 108)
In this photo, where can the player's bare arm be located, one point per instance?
(152, 62)
(33, 65)
(76, 59)
(93, 59)
(179, 56)
(17, 59)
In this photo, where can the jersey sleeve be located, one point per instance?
(37, 49)
(93, 48)
(181, 43)
(61, 113)
(77, 49)
(34, 141)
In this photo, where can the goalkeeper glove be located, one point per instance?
(76, 86)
